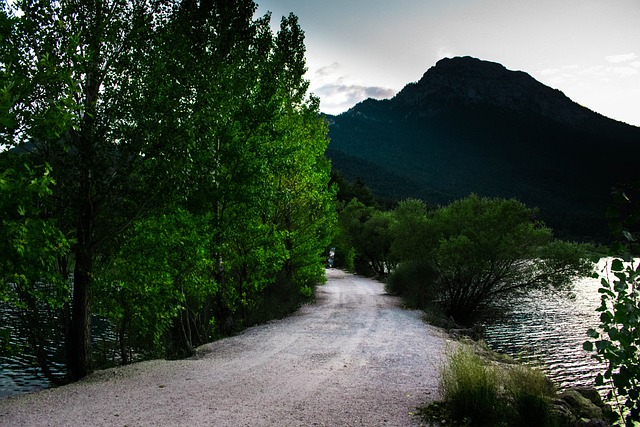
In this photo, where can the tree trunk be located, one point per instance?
(79, 355)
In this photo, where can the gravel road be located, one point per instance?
(354, 358)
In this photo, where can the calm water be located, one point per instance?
(548, 331)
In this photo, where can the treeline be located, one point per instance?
(458, 260)
(163, 169)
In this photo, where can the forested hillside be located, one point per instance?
(472, 126)
(163, 170)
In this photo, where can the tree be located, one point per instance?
(76, 69)
(31, 246)
(482, 249)
(188, 157)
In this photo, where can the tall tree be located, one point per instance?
(156, 116)
(76, 67)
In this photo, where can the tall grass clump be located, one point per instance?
(471, 389)
(476, 392)
(530, 394)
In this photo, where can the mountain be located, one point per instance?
(473, 126)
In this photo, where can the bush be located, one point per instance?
(483, 249)
(414, 282)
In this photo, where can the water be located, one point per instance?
(548, 331)
(18, 375)
(19, 370)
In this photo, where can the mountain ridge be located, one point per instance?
(473, 126)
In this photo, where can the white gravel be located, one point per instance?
(354, 358)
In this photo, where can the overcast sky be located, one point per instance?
(589, 49)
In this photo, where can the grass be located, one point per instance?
(471, 388)
(480, 393)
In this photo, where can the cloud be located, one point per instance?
(615, 59)
(564, 70)
(635, 64)
(327, 70)
(595, 70)
(337, 97)
(338, 92)
(625, 71)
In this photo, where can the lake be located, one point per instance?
(548, 330)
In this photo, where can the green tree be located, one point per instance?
(189, 161)
(31, 246)
(155, 290)
(259, 169)
(483, 249)
(76, 68)
(352, 217)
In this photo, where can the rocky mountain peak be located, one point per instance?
(468, 82)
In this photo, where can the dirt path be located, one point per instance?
(352, 359)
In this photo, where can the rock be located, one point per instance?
(562, 412)
(580, 405)
(592, 394)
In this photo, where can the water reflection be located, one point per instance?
(548, 331)
(19, 371)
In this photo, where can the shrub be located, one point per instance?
(470, 388)
(482, 250)
(414, 282)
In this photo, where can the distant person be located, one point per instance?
(332, 254)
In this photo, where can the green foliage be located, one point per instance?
(617, 340)
(470, 389)
(464, 256)
(192, 194)
(367, 231)
(415, 282)
(480, 249)
(160, 275)
(530, 395)
(32, 249)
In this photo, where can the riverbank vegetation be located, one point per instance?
(616, 342)
(163, 170)
(476, 392)
(481, 388)
(461, 258)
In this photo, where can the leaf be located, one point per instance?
(587, 346)
(617, 265)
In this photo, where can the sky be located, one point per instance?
(588, 49)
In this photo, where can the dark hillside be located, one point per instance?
(474, 126)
